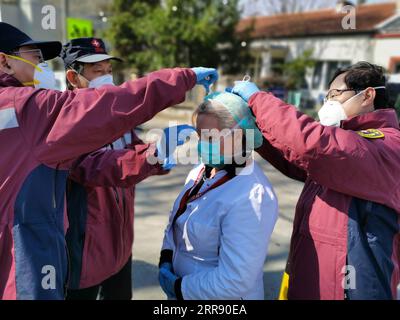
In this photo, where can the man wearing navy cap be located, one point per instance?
(25, 58)
(101, 189)
(42, 132)
(89, 54)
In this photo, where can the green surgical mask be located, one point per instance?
(210, 154)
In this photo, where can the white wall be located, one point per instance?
(27, 15)
(352, 48)
(8, 13)
(385, 49)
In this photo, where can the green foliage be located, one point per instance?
(295, 70)
(154, 34)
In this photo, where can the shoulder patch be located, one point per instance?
(371, 134)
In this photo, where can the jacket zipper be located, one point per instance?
(123, 208)
(55, 188)
(68, 278)
(68, 275)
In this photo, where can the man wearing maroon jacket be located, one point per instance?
(42, 132)
(101, 189)
(346, 235)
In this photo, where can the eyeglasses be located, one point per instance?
(35, 53)
(337, 92)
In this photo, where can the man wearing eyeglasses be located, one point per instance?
(42, 132)
(346, 235)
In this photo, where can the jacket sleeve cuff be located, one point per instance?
(252, 99)
(165, 256)
(193, 78)
(178, 289)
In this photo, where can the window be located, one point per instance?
(317, 76)
(394, 65)
(277, 65)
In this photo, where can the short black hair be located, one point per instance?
(363, 75)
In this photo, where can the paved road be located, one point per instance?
(154, 199)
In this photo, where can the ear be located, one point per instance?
(369, 97)
(4, 66)
(73, 78)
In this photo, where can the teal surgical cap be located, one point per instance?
(240, 112)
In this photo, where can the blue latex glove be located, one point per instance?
(167, 280)
(206, 77)
(171, 138)
(245, 89)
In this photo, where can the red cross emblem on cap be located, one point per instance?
(95, 43)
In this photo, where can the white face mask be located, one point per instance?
(44, 77)
(101, 81)
(332, 112)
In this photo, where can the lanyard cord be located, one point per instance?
(192, 193)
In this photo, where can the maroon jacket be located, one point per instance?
(42, 132)
(348, 212)
(100, 204)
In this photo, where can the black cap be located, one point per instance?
(85, 50)
(12, 38)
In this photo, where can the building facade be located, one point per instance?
(374, 37)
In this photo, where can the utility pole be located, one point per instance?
(64, 16)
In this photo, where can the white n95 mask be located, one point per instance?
(101, 81)
(331, 113)
(44, 77)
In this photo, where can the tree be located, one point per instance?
(155, 34)
(271, 7)
(294, 71)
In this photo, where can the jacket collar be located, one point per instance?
(9, 81)
(381, 118)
